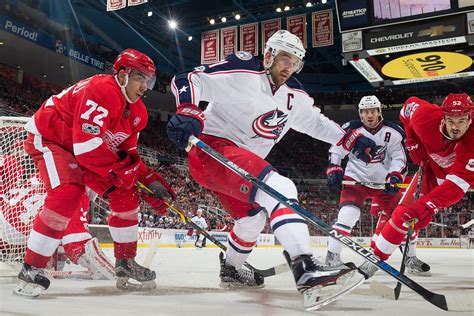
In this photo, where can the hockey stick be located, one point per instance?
(265, 273)
(381, 184)
(68, 274)
(459, 302)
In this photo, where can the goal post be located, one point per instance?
(22, 194)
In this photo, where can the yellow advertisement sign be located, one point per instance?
(426, 65)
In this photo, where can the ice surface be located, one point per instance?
(188, 284)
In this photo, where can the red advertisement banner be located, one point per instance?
(296, 24)
(249, 38)
(210, 47)
(228, 41)
(269, 27)
(323, 33)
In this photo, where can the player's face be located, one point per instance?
(370, 117)
(456, 126)
(284, 65)
(136, 86)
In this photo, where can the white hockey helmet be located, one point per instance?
(199, 211)
(283, 40)
(370, 102)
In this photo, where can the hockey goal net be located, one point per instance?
(21, 194)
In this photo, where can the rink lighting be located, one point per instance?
(1, 43)
(287, 8)
(190, 38)
(224, 19)
(212, 21)
(172, 24)
(278, 9)
(237, 16)
(150, 13)
(309, 4)
(324, 1)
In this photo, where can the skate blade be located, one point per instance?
(127, 284)
(419, 273)
(28, 290)
(316, 298)
(238, 286)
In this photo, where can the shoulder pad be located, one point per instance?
(355, 124)
(294, 83)
(396, 127)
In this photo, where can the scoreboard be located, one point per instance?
(396, 42)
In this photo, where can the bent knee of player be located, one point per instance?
(279, 183)
(249, 228)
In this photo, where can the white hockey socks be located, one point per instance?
(96, 261)
(346, 219)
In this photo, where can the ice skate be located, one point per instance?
(32, 282)
(368, 269)
(333, 260)
(133, 277)
(417, 267)
(241, 278)
(321, 285)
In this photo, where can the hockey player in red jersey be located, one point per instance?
(442, 140)
(87, 135)
(252, 105)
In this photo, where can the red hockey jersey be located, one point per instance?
(92, 120)
(451, 161)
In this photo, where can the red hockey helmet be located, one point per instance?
(457, 104)
(133, 59)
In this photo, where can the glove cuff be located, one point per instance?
(192, 110)
(333, 168)
(394, 174)
(349, 139)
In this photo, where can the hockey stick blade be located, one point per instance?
(465, 303)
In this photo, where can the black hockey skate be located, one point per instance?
(417, 267)
(32, 282)
(128, 271)
(242, 278)
(319, 284)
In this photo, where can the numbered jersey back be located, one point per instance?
(21, 190)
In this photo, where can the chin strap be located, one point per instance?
(122, 88)
(442, 125)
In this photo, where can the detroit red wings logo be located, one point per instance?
(270, 125)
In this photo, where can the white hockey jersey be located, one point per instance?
(391, 155)
(199, 221)
(245, 108)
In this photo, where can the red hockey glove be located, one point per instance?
(156, 183)
(360, 146)
(421, 211)
(416, 151)
(125, 172)
(393, 178)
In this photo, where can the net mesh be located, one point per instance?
(21, 191)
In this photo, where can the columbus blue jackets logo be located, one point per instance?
(380, 153)
(270, 125)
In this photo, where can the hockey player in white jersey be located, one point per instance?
(252, 105)
(388, 166)
(200, 221)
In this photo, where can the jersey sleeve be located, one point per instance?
(96, 109)
(310, 121)
(460, 177)
(210, 82)
(396, 150)
(337, 153)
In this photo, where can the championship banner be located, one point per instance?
(296, 24)
(136, 2)
(248, 38)
(269, 27)
(210, 47)
(228, 41)
(323, 33)
(113, 5)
